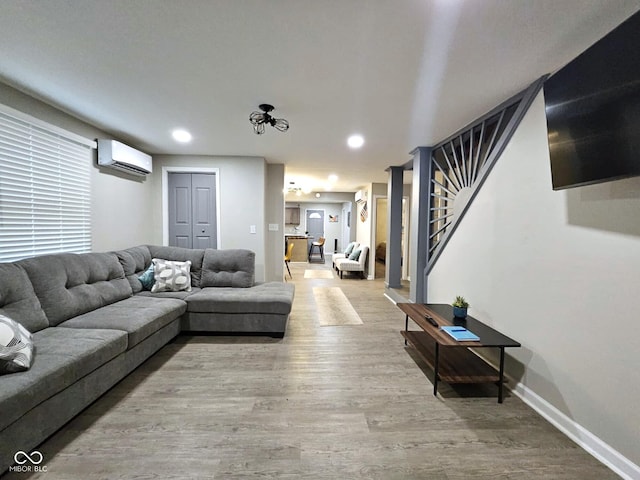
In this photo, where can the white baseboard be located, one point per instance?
(580, 435)
(390, 299)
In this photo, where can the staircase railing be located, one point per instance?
(461, 163)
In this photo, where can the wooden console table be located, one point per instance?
(451, 360)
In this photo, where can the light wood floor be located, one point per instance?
(337, 402)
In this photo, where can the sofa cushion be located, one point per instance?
(228, 268)
(181, 295)
(180, 254)
(62, 357)
(171, 276)
(16, 346)
(69, 284)
(139, 316)
(134, 261)
(271, 297)
(18, 300)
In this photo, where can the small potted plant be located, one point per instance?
(460, 306)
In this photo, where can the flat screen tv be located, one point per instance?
(593, 111)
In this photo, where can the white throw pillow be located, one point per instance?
(171, 276)
(16, 346)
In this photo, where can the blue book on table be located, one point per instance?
(460, 334)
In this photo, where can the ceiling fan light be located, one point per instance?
(256, 118)
(281, 125)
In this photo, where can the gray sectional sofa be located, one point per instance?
(93, 323)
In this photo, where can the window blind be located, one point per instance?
(45, 189)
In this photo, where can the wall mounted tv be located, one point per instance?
(593, 111)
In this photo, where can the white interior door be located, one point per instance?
(315, 223)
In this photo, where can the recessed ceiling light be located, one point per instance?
(333, 178)
(355, 141)
(181, 136)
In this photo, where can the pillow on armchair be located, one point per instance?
(355, 255)
(350, 248)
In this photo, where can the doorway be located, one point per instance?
(190, 213)
(380, 237)
(315, 226)
(315, 223)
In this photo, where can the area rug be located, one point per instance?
(318, 274)
(334, 308)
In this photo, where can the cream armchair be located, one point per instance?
(350, 248)
(356, 262)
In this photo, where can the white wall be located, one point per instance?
(560, 273)
(348, 233)
(242, 200)
(364, 233)
(121, 210)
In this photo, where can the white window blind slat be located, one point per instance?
(45, 189)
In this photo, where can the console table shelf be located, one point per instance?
(457, 365)
(453, 361)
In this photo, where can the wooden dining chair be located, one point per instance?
(287, 257)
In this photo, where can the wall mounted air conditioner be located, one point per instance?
(117, 155)
(361, 196)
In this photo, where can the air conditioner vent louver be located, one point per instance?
(121, 157)
(128, 168)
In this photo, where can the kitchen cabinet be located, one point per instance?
(292, 215)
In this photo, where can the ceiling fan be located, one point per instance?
(258, 120)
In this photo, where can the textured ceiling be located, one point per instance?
(403, 73)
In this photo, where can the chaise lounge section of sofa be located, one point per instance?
(224, 297)
(92, 324)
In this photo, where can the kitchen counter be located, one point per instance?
(300, 241)
(288, 236)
